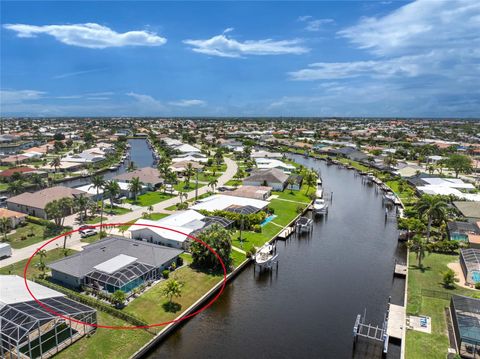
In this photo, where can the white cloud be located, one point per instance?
(224, 46)
(147, 102)
(422, 25)
(188, 103)
(90, 35)
(18, 96)
(76, 73)
(312, 24)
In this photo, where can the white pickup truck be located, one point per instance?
(5, 250)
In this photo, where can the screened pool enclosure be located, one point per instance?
(27, 330)
(465, 313)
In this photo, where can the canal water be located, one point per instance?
(307, 308)
(140, 154)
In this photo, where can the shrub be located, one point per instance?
(251, 252)
(300, 208)
(448, 278)
(165, 273)
(179, 261)
(257, 228)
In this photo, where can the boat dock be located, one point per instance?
(396, 321)
(286, 233)
(400, 269)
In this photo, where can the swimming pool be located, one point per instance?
(459, 237)
(269, 219)
(476, 276)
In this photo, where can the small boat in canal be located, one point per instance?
(266, 256)
(320, 206)
(304, 225)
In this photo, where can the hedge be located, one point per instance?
(93, 303)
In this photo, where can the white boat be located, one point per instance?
(266, 256)
(320, 206)
(319, 182)
(370, 177)
(112, 168)
(319, 193)
(390, 197)
(304, 224)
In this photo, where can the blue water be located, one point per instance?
(476, 276)
(268, 219)
(459, 237)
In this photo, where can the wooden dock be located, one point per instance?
(401, 270)
(396, 321)
(286, 233)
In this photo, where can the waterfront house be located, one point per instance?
(180, 225)
(149, 176)
(268, 163)
(266, 154)
(182, 166)
(15, 218)
(220, 202)
(468, 209)
(460, 231)
(255, 192)
(34, 203)
(30, 331)
(114, 263)
(273, 177)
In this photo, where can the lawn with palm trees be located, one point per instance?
(150, 198)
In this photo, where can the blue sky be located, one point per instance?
(375, 58)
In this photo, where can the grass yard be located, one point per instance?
(150, 305)
(285, 211)
(30, 234)
(157, 216)
(298, 196)
(52, 255)
(354, 164)
(407, 195)
(150, 198)
(250, 238)
(235, 183)
(108, 212)
(421, 345)
(107, 343)
(237, 258)
(3, 186)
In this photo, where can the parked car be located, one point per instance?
(3, 201)
(88, 232)
(5, 250)
(85, 226)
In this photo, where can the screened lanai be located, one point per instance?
(465, 313)
(27, 330)
(470, 263)
(126, 279)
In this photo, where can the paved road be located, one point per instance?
(74, 241)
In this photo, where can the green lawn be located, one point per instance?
(407, 195)
(238, 258)
(435, 345)
(285, 211)
(108, 211)
(107, 343)
(232, 182)
(3, 186)
(298, 196)
(52, 255)
(149, 305)
(157, 216)
(29, 234)
(182, 186)
(150, 198)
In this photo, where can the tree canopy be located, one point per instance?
(220, 240)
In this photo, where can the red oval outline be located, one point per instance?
(133, 327)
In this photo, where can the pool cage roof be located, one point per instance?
(242, 209)
(210, 220)
(122, 276)
(17, 320)
(471, 257)
(467, 311)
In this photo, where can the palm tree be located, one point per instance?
(291, 183)
(433, 208)
(81, 204)
(310, 180)
(135, 186)
(5, 226)
(119, 298)
(171, 289)
(97, 183)
(182, 195)
(419, 246)
(213, 184)
(56, 162)
(189, 173)
(111, 190)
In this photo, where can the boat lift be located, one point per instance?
(371, 332)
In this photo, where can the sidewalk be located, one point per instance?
(75, 243)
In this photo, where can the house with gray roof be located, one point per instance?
(149, 176)
(114, 263)
(275, 178)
